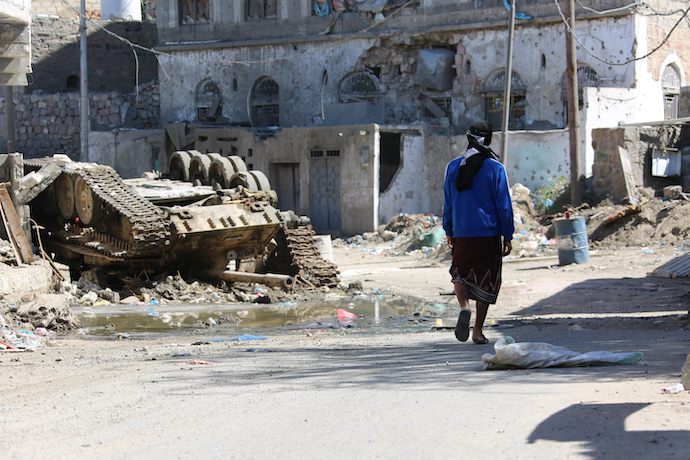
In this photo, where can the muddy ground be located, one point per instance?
(384, 386)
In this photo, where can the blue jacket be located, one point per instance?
(483, 210)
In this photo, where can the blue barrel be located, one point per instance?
(572, 241)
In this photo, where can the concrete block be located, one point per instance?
(435, 69)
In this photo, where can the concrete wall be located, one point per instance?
(65, 9)
(129, 152)
(299, 71)
(111, 63)
(358, 163)
(407, 192)
(300, 80)
(637, 142)
(537, 158)
(15, 36)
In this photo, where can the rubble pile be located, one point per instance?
(6, 252)
(649, 220)
(28, 324)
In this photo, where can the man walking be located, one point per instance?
(478, 220)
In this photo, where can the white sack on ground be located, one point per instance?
(528, 355)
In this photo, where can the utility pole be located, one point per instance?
(573, 105)
(84, 88)
(9, 119)
(506, 90)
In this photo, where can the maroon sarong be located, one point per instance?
(477, 263)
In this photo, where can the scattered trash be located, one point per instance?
(195, 362)
(531, 355)
(674, 389)
(344, 314)
(245, 337)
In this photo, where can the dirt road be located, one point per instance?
(346, 393)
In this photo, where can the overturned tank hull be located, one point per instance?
(91, 216)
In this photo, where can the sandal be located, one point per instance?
(462, 328)
(482, 341)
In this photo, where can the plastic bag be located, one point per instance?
(529, 355)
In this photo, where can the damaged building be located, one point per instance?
(352, 109)
(355, 108)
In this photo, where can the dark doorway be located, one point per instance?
(390, 159)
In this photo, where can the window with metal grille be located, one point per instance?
(194, 11)
(203, 114)
(357, 86)
(497, 80)
(208, 101)
(670, 82)
(324, 153)
(516, 114)
(265, 108)
(494, 88)
(262, 9)
(586, 77)
(443, 103)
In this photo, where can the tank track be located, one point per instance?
(305, 255)
(149, 232)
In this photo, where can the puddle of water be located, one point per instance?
(373, 315)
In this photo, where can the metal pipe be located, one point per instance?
(506, 92)
(269, 279)
(573, 105)
(84, 88)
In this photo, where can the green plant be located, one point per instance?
(551, 199)
(548, 200)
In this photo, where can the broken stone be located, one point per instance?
(673, 191)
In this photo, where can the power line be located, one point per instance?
(247, 63)
(663, 42)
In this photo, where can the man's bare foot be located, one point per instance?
(480, 340)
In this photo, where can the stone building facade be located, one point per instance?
(294, 67)
(46, 124)
(123, 87)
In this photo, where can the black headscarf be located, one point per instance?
(479, 137)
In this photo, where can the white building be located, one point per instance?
(419, 69)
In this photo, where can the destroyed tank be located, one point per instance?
(209, 212)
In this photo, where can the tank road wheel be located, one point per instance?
(237, 179)
(217, 172)
(178, 166)
(237, 164)
(89, 206)
(64, 186)
(259, 180)
(198, 168)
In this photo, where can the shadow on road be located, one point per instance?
(607, 295)
(600, 429)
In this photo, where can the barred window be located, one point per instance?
(264, 101)
(357, 86)
(494, 88)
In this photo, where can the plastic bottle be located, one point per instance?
(685, 374)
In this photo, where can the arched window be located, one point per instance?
(264, 103)
(493, 89)
(670, 82)
(357, 86)
(586, 77)
(208, 101)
